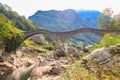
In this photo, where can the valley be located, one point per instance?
(59, 45)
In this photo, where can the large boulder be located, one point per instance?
(87, 48)
(61, 50)
(74, 52)
(99, 54)
(105, 56)
(9, 71)
(39, 38)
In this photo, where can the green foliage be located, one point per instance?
(105, 21)
(110, 39)
(23, 56)
(49, 47)
(19, 21)
(41, 47)
(115, 22)
(107, 40)
(36, 45)
(14, 42)
(77, 72)
(105, 18)
(97, 72)
(77, 45)
(10, 36)
(49, 38)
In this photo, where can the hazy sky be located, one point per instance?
(29, 7)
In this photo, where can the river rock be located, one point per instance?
(105, 56)
(99, 54)
(39, 38)
(56, 70)
(5, 70)
(61, 50)
(74, 52)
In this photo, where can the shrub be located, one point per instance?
(107, 40)
(10, 36)
(77, 72)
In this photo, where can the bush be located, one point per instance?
(107, 40)
(14, 43)
(77, 72)
(48, 47)
(10, 36)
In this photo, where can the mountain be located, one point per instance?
(19, 21)
(66, 20)
(58, 20)
(90, 16)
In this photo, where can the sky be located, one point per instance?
(29, 7)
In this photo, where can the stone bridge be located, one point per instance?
(62, 36)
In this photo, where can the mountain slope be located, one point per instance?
(64, 21)
(58, 20)
(19, 21)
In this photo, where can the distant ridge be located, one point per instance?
(90, 16)
(55, 20)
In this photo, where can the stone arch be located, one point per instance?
(62, 36)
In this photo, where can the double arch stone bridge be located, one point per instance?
(62, 36)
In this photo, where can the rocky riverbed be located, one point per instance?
(26, 64)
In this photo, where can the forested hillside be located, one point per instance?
(10, 36)
(12, 26)
(58, 20)
(19, 21)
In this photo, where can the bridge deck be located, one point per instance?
(68, 34)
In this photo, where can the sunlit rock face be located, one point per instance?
(105, 56)
(99, 54)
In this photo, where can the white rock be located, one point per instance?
(39, 38)
(99, 54)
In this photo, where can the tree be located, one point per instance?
(105, 18)
(8, 8)
(115, 23)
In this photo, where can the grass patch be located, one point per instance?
(41, 47)
(78, 72)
